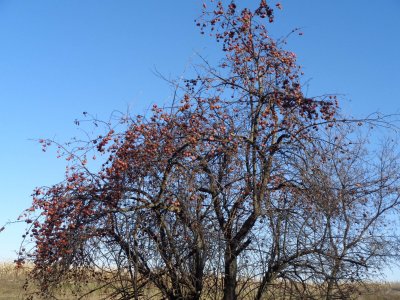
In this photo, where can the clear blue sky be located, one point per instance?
(60, 58)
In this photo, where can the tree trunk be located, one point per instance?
(230, 280)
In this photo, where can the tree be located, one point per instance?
(237, 189)
(332, 227)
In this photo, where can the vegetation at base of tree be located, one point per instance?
(12, 281)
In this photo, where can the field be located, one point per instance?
(12, 281)
(387, 291)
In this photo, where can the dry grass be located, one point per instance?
(383, 291)
(12, 281)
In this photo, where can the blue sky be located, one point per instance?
(60, 58)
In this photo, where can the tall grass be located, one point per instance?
(12, 281)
